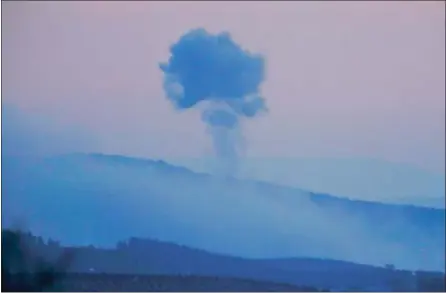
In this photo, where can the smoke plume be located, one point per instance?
(224, 79)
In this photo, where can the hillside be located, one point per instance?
(370, 179)
(145, 264)
(109, 198)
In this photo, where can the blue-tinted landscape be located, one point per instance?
(157, 147)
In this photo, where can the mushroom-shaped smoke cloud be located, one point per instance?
(215, 71)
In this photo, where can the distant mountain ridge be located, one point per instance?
(145, 198)
(162, 164)
(362, 179)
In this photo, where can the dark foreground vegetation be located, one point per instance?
(31, 264)
(83, 282)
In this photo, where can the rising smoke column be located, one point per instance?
(216, 73)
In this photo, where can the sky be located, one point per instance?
(343, 79)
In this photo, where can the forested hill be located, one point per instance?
(140, 257)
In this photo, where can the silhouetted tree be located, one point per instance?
(23, 268)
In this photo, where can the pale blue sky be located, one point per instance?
(351, 79)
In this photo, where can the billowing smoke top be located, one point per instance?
(206, 67)
(215, 71)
